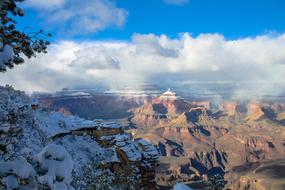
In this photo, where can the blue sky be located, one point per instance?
(231, 18)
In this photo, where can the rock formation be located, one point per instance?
(196, 142)
(231, 108)
(254, 110)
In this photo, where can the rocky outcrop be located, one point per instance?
(149, 114)
(231, 108)
(138, 153)
(173, 107)
(254, 110)
(181, 120)
(150, 159)
(251, 144)
(248, 183)
(202, 104)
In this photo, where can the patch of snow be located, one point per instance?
(57, 164)
(131, 150)
(20, 167)
(123, 137)
(79, 94)
(148, 149)
(53, 123)
(84, 149)
(6, 53)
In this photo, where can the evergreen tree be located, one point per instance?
(14, 43)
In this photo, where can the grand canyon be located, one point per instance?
(142, 95)
(241, 140)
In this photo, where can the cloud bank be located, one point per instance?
(79, 17)
(257, 62)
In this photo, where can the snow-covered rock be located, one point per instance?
(51, 170)
(12, 172)
(56, 165)
(19, 167)
(150, 159)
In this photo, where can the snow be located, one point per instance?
(131, 152)
(181, 186)
(5, 55)
(58, 164)
(12, 182)
(123, 137)
(123, 141)
(79, 94)
(53, 123)
(109, 124)
(169, 95)
(5, 128)
(148, 149)
(84, 149)
(20, 167)
(16, 170)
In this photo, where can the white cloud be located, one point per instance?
(81, 16)
(45, 4)
(159, 59)
(176, 2)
